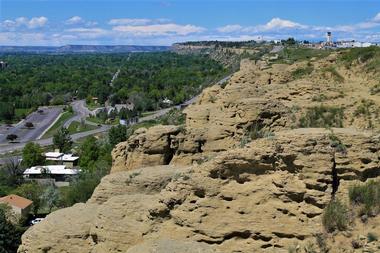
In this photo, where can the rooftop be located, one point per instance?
(15, 200)
(56, 156)
(52, 169)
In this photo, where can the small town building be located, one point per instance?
(58, 175)
(68, 160)
(3, 64)
(19, 205)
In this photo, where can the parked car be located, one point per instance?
(35, 221)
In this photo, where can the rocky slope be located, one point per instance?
(240, 176)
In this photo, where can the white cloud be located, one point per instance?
(35, 22)
(88, 32)
(229, 28)
(159, 30)
(278, 23)
(74, 20)
(376, 18)
(129, 21)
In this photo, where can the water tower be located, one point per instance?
(329, 38)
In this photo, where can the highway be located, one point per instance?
(82, 111)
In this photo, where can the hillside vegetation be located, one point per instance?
(145, 79)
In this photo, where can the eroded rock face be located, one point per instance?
(264, 197)
(145, 148)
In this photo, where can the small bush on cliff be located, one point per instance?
(375, 89)
(323, 116)
(301, 72)
(335, 216)
(367, 196)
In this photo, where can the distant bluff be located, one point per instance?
(253, 169)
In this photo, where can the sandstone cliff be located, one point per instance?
(240, 176)
(265, 197)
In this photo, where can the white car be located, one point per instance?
(35, 221)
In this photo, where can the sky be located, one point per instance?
(163, 22)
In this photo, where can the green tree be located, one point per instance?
(32, 155)
(89, 152)
(31, 191)
(62, 140)
(117, 134)
(10, 236)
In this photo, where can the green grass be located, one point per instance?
(95, 120)
(359, 54)
(77, 127)
(323, 116)
(64, 116)
(335, 216)
(145, 114)
(367, 196)
(291, 55)
(301, 72)
(334, 73)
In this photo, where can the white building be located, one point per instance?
(64, 159)
(59, 174)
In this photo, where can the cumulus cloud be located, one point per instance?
(74, 20)
(376, 18)
(278, 23)
(35, 22)
(129, 21)
(159, 29)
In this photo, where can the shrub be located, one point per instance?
(255, 132)
(336, 143)
(364, 108)
(334, 74)
(371, 237)
(375, 89)
(301, 72)
(367, 196)
(335, 216)
(319, 98)
(323, 116)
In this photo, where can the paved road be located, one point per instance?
(81, 107)
(81, 112)
(41, 122)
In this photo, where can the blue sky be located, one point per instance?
(163, 22)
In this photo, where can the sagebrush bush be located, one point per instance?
(367, 196)
(323, 116)
(335, 216)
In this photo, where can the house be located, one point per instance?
(3, 64)
(59, 175)
(20, 206)
(68, 160)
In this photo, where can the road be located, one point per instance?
(82, 111)
(40, 121)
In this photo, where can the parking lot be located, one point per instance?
(41, 120)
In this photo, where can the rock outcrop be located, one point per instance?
(264, 197)
(239, 176)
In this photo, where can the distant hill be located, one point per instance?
(82, 49)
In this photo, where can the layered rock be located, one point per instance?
(264, 197)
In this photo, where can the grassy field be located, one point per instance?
(64, 116)
(77, 127)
